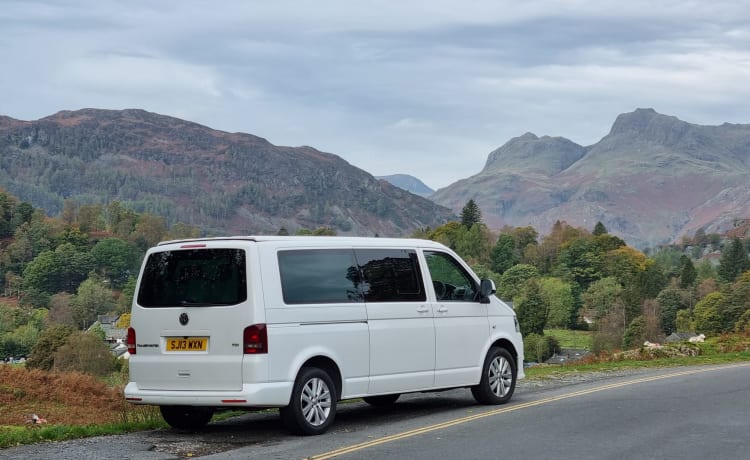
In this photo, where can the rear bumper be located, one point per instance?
(274, 394)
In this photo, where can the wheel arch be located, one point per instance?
(508, 345)
(330, 367)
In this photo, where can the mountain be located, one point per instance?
(409, 183)
(225, 183)
(651, 179)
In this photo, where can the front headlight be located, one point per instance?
(518, 326)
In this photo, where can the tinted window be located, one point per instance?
(450, 280)
(390, 275)
(198, 277)
(319, 276)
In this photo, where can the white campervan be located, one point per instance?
(300, 323)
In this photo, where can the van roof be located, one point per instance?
(342, 240)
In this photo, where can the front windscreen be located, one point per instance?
(194, 277)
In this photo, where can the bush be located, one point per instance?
(539, 348)
(84, 352)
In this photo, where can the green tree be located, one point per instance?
(707, 314)
(558, 296)
(91, 300)
(688, 274)
(125, 301)
(734, 260)
(503, 254)
(581, 262)
(60, 270)
(43, 353)
(473, 244)
(599, 229)
(635, 334)
(514, 279)
(116, 260)
(602, 297)
(470, 214)
(684, 322)
(670, 302)
(531, 309)
(21, 340)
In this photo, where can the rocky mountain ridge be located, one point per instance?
(225, 183)
(651, 179)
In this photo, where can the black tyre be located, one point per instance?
(381, 401)
(312, 407)
(498, 378)
(186, 417)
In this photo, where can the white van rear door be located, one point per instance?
(189, 315)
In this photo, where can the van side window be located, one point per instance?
(450, 280)
(390, 275)
(199, 277)
(319, 276)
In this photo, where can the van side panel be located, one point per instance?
(299, 332)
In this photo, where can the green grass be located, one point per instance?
(571, 339)
(18, 435)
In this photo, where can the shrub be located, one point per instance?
(539, 348)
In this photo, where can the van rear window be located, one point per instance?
(196, 277)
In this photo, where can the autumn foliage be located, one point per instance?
(68, 398)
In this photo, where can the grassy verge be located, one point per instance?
(17, 435)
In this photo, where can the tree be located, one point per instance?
(116, 259)
(43, 353)
(91, 300)
(599, 229)
(688, 274)
(635, 334)
(60, 270)
(558, 296)
(707, 314)
(503, 254)
(514, 279)
(470, 214)
(474, 243)
(531, 309)
(84, 352)
(61, 309)
(734, 260)
(670, 302)
(602, 297)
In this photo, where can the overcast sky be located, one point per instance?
(427, 88)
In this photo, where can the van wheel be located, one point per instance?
(381, 401)
(498, 378)
(186, 417)
(312, 407)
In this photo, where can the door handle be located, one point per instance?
(422, 309)
(443, 309)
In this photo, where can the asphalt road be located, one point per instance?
(679, 413)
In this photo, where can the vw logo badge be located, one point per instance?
(184, 319)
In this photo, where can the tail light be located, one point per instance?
(131, 341)
(255, 340)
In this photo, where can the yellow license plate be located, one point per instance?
(187, 343)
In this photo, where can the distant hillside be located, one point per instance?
(223, 182)
(650, 180)
(409, 183)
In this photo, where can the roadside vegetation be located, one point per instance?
(574, 288)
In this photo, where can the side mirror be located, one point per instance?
(486, 289)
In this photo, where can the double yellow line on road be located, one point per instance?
(505, 409)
